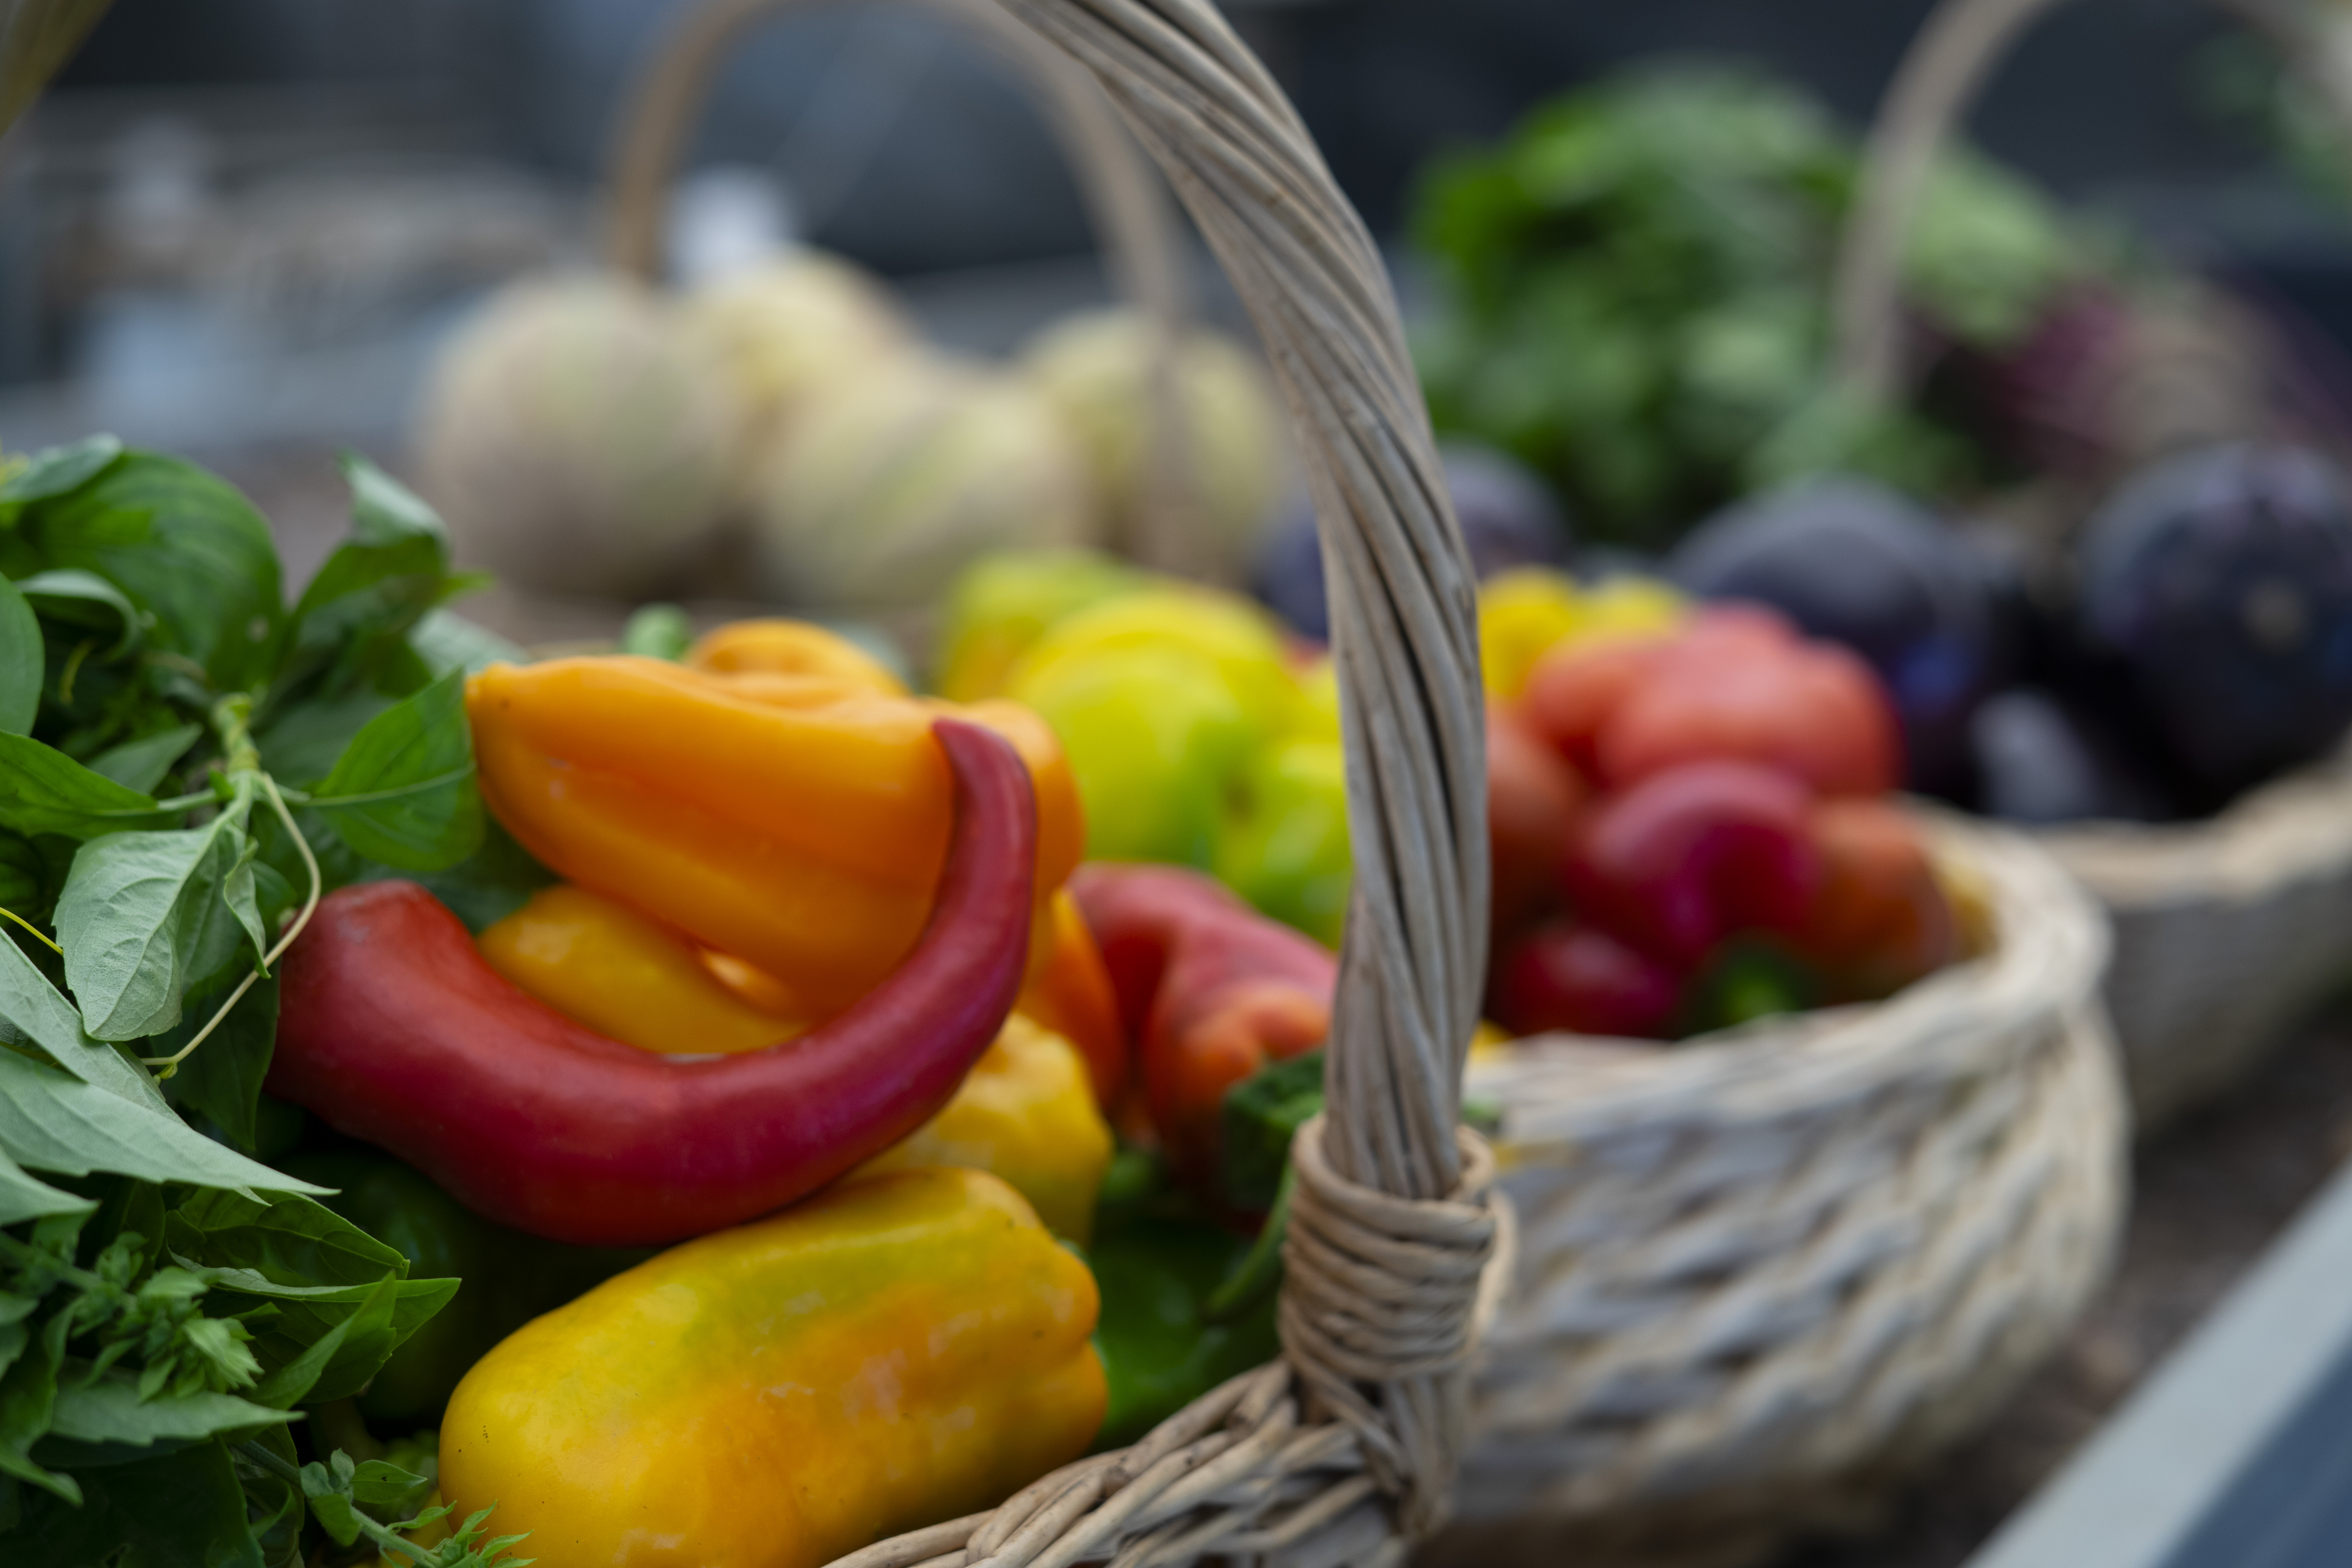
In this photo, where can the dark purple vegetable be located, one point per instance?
(2038, 761)
(1509, 519)
(2217, 586)
(1852, 561)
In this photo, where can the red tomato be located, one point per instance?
(1583, 981)
(1812, 711)
(1532, 798)
(1695, 854)
(1573, 689)
(1882, 920)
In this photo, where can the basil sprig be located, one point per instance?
(187, 766)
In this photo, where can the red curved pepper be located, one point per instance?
(394, 1030)
(1211, 989)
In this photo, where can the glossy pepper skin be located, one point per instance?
(781, 647)
(902, 1349)
(804, 839)
(1070, 994)
(602, 964)
(1212, 991)
(1697, 853)
(394, 1030)
(1026, 1112)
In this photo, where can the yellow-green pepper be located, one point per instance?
(902, 1349)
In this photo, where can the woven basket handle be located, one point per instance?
(1142, 244)
(1347, 1446)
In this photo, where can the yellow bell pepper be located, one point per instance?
(602, 964)
(805, 838)
(902, 1349)
(1026, 1113)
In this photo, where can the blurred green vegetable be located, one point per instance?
(1634, 292)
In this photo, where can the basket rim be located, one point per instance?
(2296, 828)
(2049, 952)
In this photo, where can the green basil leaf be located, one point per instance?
(28, 1394)
(294, 1241)
(222, 1078)
(293, 1383)
(110, 1410)
(238, 897)
(380, 1318)
(446, 642)
(34, 1010)
(143, 764)
(381, 1486)
(85, 598)
(24, 878)
(355, 614)
(22, 661)
(42, 790)
(181, 1510)
(328, 1488)
(51, 1120)
(384, 510)
(359, 1341)
(488, 885)
(55, 471)
(22, 1198)
(142, 917)
(185, 546)
(403, 793)
(303, 740)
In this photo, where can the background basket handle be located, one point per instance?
(1940, 77)
(1142, 241)
(1940, 74)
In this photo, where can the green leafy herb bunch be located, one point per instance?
(186, 765)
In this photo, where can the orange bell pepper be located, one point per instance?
(1071, 995)
(790, 647)
(805, 839)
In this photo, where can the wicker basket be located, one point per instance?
(1344, 1450)
(2226, 930)
(1762, 1276)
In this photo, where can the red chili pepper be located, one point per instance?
(1882, 920)
(394, 1030)
(1562, 975)
(1695, 854)
(1211, 989)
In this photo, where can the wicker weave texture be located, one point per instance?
(1753, 1270)
(2226, 932)
(1344, 1450)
